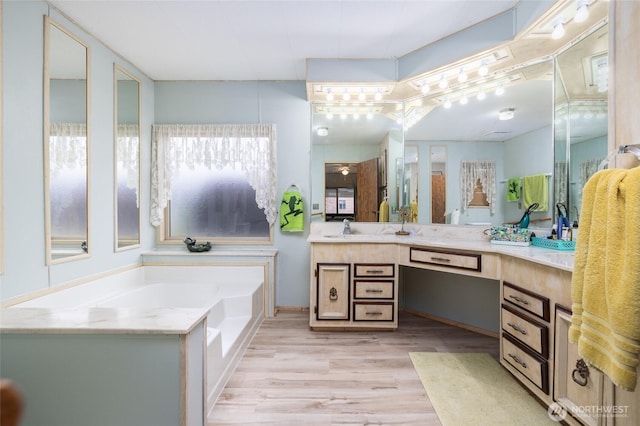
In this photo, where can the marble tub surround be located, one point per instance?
(100, 320)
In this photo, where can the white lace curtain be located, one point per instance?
(247, 147)
(560, 182)
(67, 146)
(470, 172)
(128, 155)
(587, 169)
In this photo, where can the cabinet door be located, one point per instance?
(333, 291)
(577, 387)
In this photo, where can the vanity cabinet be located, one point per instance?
(577, 387)
(353, 286)
(528, 291)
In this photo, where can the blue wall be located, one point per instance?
(25, 270)
(282, 103)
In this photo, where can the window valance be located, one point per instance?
(472, 172)
(250, 148)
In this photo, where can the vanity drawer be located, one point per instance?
(470, 261)
(527, 362)
(373, 311)
(374, 269)
(527, 300)
(381, 289)
(526, 330)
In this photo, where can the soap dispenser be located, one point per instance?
(574, 231)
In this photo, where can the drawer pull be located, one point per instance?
(372, 290)
(375, 271)
(519, 299)
(517, 328)
(518, 360)
(580, 374)
(440, 259)
(374, 313)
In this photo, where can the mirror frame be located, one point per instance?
(118, 69)
(48, 25)
(1, 156)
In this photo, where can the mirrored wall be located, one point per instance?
(1, 158)
(357, 149)
(556, 124)
(66, 144)
(127, 94)
(581, 115)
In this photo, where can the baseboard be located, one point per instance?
(454, 323)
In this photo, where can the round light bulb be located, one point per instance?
(582, 12)
(483, 70)
(481, 95)
(443, 82)
(558, 30)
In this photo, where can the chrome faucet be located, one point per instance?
(347, 228)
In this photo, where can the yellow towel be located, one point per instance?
(605, 285)
(535, 189)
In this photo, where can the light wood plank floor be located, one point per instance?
(290, 375)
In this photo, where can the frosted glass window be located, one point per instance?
(215, 203)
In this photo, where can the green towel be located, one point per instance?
(291, 212)
(513, 189)
(535, 190)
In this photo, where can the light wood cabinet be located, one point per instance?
(353, 286)
(332, 291)
(535, 323)
(577, 387)
(528, 291)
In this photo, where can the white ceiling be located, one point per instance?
(271, 40)
(267, 39)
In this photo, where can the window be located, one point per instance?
(339, 203)
(214, 182)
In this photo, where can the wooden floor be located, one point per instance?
(290, 375)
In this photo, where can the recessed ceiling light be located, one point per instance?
(506, 114)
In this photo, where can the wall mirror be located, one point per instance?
(127, 93)
(366, 142)
(66, 144)
(1, 158)
(464, 124)
(411, 181)
(581, 114)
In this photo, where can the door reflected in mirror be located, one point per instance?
(369, 136)
(411, 181)
(438, 169)
(127, 153)
(66, 139)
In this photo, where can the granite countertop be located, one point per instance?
(100, 320)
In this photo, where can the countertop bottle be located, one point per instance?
(574, 231)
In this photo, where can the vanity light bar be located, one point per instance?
(352, 93)
(479, 92)
(459, 73)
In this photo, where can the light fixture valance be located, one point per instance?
(250, 148)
